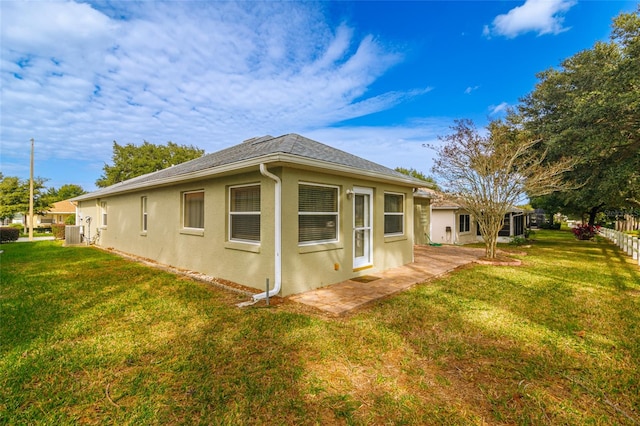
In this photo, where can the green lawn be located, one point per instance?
(88, 337)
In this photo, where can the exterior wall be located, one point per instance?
(440, 220)
(421, 220)
(466, 237)
(311, 266)
(443, 218)
(210, 252)
(167, 242)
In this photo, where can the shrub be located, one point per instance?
(70, 220)
(585, 232)
(8, 234)
(517, 241)
(58, 231)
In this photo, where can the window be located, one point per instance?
(244, 213)
(393, 214)
(103, 213)
(465, 223)
(193, 213)
(317, 213)
(143, 213)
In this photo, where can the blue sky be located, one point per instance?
(377, 79)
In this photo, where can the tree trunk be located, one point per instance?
(491, 249)
(592, 213)
(491, 238)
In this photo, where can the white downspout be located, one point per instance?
(277, 236)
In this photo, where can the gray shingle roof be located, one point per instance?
(292, 144)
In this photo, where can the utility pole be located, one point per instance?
(31, 196)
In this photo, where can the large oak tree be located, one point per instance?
(130, 161)
(589, 108)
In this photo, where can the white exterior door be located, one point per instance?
(362, 229)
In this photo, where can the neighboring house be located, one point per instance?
(452, 224)
(288, 209)
(57, 214)
(537, 218)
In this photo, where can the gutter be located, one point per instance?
(277, 236)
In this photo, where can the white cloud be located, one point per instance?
(210, 74)
(539, 16)
(498, 109)
(471, 89)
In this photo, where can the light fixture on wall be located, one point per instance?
(349, 193)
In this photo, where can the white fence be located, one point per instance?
(628, 244)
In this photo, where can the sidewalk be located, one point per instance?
(429, 263)
(26, 239)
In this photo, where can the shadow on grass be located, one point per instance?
(619, 267)
(127, 344)
(104, 339)
(514, 341)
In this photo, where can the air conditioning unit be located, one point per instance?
(72, 235)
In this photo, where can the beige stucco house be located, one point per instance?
(452, 224)
(57, 214)
(289, 209)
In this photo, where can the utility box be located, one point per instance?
(72, 235)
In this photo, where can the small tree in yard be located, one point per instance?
(487, 175)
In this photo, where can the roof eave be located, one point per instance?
(185, 177)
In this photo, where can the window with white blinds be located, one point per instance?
(393, 214)
(317, 213)
(244, 213)
(193, 205)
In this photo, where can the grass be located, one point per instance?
(88, 337)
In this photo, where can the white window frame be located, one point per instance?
(336, 213)
(103, 214)
(184, 209)
(144, 216)
(391, 234)
(244, 213)
(461, 222)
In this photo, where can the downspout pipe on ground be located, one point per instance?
(277, 236)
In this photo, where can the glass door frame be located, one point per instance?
(362, 229)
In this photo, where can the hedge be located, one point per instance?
(58, 231)
(8, 234)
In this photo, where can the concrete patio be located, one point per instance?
(429, 263)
